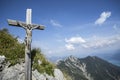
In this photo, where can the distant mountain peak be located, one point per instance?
(91, 57)
(71, 58)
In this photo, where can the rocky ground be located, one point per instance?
(17, 71)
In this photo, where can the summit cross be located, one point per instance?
(28, 26)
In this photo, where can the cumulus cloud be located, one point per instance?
(70, 47)
(103, 17)
(55, 23)
(75, 40)
(70, 43)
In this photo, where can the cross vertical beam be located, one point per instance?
(28, 16)
(28, 26)
(28, 72)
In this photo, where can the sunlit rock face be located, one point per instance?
(58, 74)
(89, 68)
(17, 71)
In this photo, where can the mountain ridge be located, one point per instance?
(89, 68)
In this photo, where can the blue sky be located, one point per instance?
(73, 27)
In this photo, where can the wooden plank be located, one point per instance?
(28, 72)
(28, 16)
(39, 27)
(23, 24)
(16, 23)
(12, 22)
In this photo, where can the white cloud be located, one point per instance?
(78, 43)
(70, 47)
(75, 40)
(102, 42)
(55, 23)
(50, 52)
(103, 17)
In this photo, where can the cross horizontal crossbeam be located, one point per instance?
(24, 25)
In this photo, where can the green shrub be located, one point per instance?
(45, 66)
(10, 47)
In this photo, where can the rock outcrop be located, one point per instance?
(16, 72)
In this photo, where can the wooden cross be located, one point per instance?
(28, 39)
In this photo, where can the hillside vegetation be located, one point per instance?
(14, 53)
